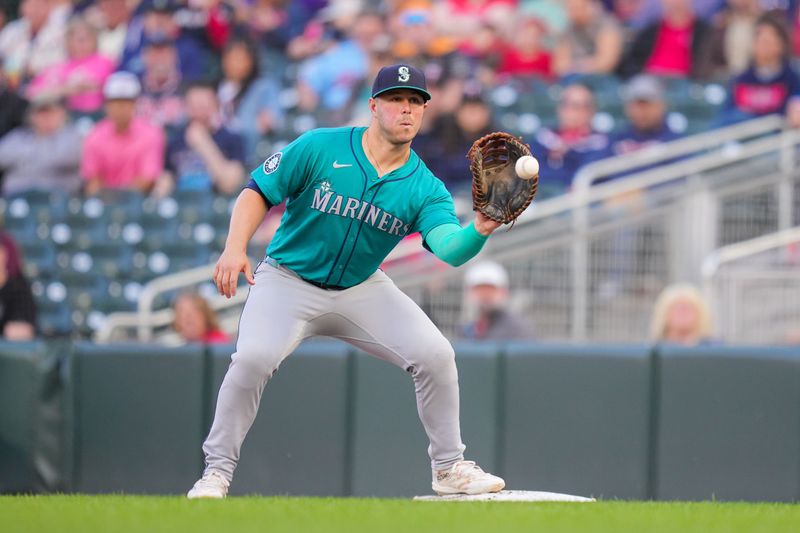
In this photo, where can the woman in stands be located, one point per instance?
(769, 85)
(249, 104)
(195, 321)
(681, 316)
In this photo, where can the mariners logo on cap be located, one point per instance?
(403, 74)
(272, 162)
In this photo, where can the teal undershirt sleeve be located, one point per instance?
(453, 244)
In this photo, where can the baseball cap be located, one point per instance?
(643, 87)
(122, 86)
(162, 6)
(400, 76)
(486, 273)
(44, 98)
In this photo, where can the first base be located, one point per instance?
(507, 496)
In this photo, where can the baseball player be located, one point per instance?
(352, 194)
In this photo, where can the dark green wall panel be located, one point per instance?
(576, 419)
(298, 442)
(729, 424)
(138, 417)
(390, 447)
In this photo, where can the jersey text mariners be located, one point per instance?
(341, 219)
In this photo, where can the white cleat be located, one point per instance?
(212, 485)
(465, 477)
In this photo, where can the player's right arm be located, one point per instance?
(248, 212)
(281, 176)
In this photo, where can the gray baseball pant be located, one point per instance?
(377, 317)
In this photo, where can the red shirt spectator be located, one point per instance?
(526, 56)
(672, 52)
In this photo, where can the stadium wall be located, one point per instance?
(629, 422)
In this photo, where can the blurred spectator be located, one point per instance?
(17, 308)
(161, 99)
(645, 109)
(195, 321)
(525, 53)
(122, 151)
(640, 13)
(446, 145)
(13, 260)
(483, 49)
(464, 18)
(157, 24)
(769, 85)
(487, 290)
(681, 316)
(330, 81)
(795, 25)
(268, 22)
(249, 104)
(730, 45)
(563, 151)
(12, 108)
(81, 76)
(46, 153)
(592, 42)
(417, 42)
(551, 12)
(114, 16)
(33, 42)
(671, 46)
(204, 155)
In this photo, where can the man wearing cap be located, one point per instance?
(43, 154)
(122, 151)
(646, 110)
(487, 291)
(351, 195)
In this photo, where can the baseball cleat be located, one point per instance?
(212, 485)
(465, 477)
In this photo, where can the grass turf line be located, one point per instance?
(127, 514)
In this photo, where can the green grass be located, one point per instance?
(109, 514)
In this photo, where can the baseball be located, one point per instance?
(527, 167)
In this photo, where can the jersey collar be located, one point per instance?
(371, 174)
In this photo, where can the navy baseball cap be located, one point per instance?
(400, 76)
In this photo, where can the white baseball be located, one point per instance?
(526, 167)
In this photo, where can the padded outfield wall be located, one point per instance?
(631, 422)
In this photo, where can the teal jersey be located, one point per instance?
(341, 218)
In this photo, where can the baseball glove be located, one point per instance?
(497, 191)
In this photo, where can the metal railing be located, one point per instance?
(588, 264)
(754, 289)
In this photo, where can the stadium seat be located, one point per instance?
(43, 206)
(39, 258)
(112, 259)
(122, 205)
(157, 230)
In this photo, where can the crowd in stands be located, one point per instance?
(164, 96)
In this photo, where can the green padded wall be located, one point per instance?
(31, 419)
(298, 443)
(729, 424)
(576, 419)
(390, 448)
(138, 417)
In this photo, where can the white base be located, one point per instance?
(507, 496)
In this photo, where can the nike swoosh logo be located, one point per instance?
(336, 164)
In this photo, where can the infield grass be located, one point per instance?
(109, 514)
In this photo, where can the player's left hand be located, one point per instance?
(485, 225)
